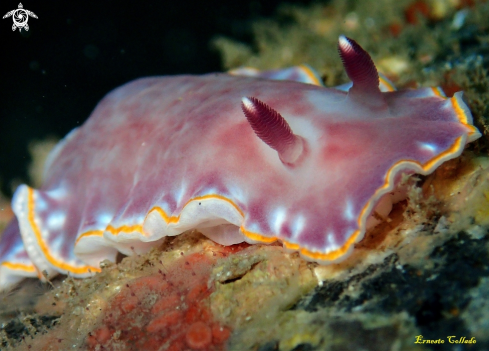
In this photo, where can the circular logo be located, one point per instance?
(20, 17)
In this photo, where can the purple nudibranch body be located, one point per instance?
(240, 158)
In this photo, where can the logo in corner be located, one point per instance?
(20, 17)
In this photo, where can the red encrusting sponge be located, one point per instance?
(169, 310)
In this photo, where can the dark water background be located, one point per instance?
(52, 76)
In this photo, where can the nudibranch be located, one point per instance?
(239, 157)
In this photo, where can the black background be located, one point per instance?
(53, 75)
